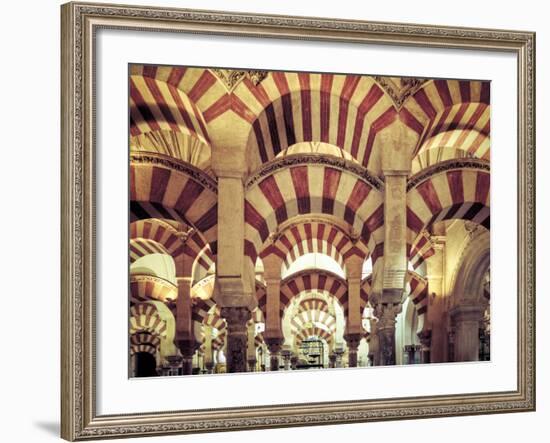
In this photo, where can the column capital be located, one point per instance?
(236, 316)
(187, 346)
(353, 340)
(274, 344)
(386, 314)
(174, 361)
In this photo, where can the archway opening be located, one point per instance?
(145, 365)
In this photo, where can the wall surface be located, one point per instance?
(29, 178)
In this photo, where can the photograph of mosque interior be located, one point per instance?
(286, 221)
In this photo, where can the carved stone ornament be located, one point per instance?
(231, 78)
(386, 315)
(399, 88)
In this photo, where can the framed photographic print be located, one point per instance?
(283, 221)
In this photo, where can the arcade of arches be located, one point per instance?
(287, 221)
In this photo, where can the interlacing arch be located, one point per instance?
(454, 189)
(294, 186)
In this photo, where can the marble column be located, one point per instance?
(293, 362)
(274, 344)
(386, 314)
(332, 360)
(425, 338)
(354, 269)
(286, 354)
(338, 361)
(251, 348)
(410, 350)
(174, 364)
(208, 351)
(352, 341)
(370, 357)
(209, 366)
(187, 347)
(374, 349)
(236, 319)
(467, 320)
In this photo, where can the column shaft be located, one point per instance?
(236, 318)
(274, 344)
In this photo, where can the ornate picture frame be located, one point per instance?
(80, 22)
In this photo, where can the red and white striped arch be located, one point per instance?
(285, 189)
(313, 304)
(148, 287)
(144, 317)
(314, 280)
(203, 88)
(288, 107)
(163, 188)
(202, 308)
(315, 237)
(451, 190)
(420, 250)
(442, 106)
(207, 313)
(312, 317)
(456, 143)
(154, 236)
(144, 342)
(418, 291)
(201, 254)
(259, 340)
(314, 331)
(158, 103)
(219, 341)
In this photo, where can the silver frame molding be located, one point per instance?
(79, 420)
